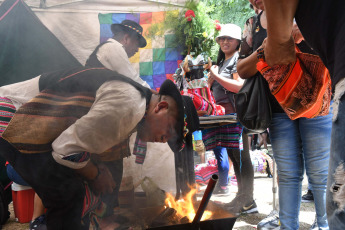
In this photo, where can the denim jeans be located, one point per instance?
(221, 155)
(299, 145)
(336, 173)
(14, 176)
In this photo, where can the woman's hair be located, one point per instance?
(221, 54)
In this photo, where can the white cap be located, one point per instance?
(230, 30)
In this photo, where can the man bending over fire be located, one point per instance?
(71, 121)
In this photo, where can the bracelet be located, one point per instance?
(260, 54)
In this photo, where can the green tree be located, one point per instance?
(230, 11)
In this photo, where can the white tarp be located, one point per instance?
(75, 24)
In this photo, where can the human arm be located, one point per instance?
(246, 64)
(246, 67)
(280, 47)
(233, 85)
(115, 113)
(98, 177)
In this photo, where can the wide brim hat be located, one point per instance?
(230, 30)
(187, 120)
(131, 25)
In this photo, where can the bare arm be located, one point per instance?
(246, 67)
(233, 85)
(280, 45)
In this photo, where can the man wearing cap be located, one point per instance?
(114, 54)
(58, 139)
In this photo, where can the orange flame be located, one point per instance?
(185, 206)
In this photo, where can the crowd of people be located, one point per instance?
(65, 133)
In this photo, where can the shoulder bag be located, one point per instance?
(303, 88)
(253, 105)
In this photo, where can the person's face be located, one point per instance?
(228, 45)
(159, 125)
(131, 45)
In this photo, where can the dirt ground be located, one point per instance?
(263, 196)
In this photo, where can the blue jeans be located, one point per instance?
(14, 176)
(299, 145)
(335, 183)
(221, 155)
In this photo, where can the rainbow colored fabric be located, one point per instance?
(161, 57)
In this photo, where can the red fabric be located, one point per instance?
(204, 101)
(303, 88)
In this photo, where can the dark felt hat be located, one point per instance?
(187, 121)
(131, 25)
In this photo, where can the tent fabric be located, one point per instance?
(159, 59)
(28, 48)
(114, 6)
(77, 31)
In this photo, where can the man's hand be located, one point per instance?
(104, 182)
(277, 54)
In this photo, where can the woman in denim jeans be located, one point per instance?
(298, 145)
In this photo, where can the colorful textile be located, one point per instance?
(93, 206)
(78, 157)
(7, 111)
(203, 100)
(139, 150)
(303, 89)
(203, 172)
(227, 136)
(259, 160)
(161, 56)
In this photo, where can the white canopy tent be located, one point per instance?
(75, 23)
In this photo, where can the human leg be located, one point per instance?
(245, 175)
(60, 188)
(221, 155)
(112, 199)
(335, 202)
(316, 140)
(286, 146)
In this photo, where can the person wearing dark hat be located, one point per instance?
(114, 54)
(59, 138)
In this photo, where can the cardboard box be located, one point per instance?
(23, 202)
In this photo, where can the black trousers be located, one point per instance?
(112, 199)
(61, 189)
(243, 169)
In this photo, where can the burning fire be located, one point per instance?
(185, 206)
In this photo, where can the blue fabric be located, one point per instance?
(299, 145)
(336, 218)
(223, 165)
(14, 176)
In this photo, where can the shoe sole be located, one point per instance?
(251, 211)
(307, 201)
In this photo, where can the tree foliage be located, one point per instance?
(230, 11)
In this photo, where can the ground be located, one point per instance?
(263, 196)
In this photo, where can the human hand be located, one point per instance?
(278, 54)
(213, 70)
(104, 182)
(296, 34)
(210, 80)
